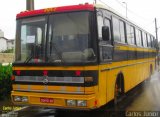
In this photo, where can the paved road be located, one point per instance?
(141, 101)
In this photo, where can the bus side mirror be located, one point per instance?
(105, 33)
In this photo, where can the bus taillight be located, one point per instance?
(78, 73)
(45, 73)
(18, 72)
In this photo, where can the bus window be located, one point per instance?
(100, 25)
(116, 34)
(152, 45)
(32, 39)
(107, 50)
(149, 40)
(107, 22)
(130, 34)
(144, 39)
(122, 31)
(39, 35)
(141, 40)
(154, 42)
(138, 37)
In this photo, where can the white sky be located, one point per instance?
(141, 12)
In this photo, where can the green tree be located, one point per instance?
(5, 81)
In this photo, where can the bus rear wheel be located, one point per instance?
(150, 74)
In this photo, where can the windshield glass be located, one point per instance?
(68, 39)
(30, 44)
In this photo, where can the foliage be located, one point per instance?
(8, 51)
(5, 81)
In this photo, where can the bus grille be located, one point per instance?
(50, 79)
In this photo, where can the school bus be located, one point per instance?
(78, 57)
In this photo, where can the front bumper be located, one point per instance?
(59, 100)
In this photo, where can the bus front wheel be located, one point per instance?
(118, 92)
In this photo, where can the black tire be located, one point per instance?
(118, 94)
(150, 74)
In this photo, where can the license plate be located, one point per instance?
(46, 100)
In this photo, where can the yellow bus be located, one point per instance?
(78, 57)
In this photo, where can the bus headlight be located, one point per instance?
(88, 79)
(24, 99)
(81, 103)
(71, 102)
(17, 99)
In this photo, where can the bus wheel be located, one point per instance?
(150, 74)
(118, 93)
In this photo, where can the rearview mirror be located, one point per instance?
(105, 33)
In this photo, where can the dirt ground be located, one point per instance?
(6, 57)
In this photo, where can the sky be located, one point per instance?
(141, 12)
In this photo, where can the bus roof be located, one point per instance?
(86, 6)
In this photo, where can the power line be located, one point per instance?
(142, 18)
(104, 3)
(149, 24)
(120, 3)
(130, 11)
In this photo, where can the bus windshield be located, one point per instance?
(64, 37)
(30, 41)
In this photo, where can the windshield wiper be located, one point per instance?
(28, 58)
(58, 53)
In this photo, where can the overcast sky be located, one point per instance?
(142, 12)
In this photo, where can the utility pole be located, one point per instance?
(156, 29)
(29, 4)
(157, 45)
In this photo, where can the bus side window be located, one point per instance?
(138, 37)
(149, 41)
(128, 32)
(152, 45)
(116, 34)
(154, 42)
(107, 23)
(144, 39)
(107, 49)
(100, 25)
(133, 41)
(147, 37)
(122, 31)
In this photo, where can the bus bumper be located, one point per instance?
(62, 101)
